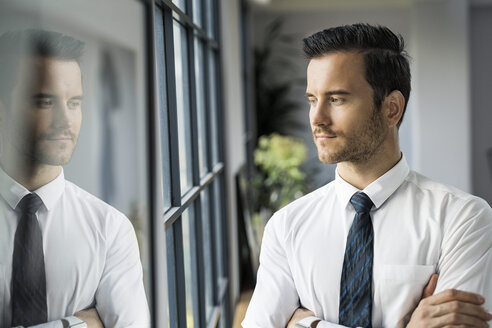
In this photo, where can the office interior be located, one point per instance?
(170, 121)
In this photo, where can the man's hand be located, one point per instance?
(449, 308)
(90, 317)
(298, 315)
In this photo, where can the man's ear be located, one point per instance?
(394, 104)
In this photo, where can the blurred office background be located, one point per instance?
(178, 93)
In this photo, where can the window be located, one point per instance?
(193, 169)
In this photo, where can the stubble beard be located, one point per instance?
(358, 147)
(39, 151)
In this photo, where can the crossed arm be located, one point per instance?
(90, 317)
(464, 268)
(450, 308)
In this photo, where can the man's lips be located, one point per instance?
(59, 138)
(324, 136)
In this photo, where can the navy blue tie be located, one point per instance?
(29, 305)
(355, 285)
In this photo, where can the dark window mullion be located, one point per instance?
(154, 224)
(176, 275)
(207, 108)
(204, 15)
(213, 244)
(219, 109)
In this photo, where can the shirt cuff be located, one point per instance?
(50, 324)
(307, 322)
(326, 324)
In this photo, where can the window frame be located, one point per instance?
(167, 221)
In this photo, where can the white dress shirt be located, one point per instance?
(90, 252)
(420, 227)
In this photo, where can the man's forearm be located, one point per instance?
(89, 316)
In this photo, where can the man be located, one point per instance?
(359, 251)
(63, 251)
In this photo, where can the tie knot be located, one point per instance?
(30, 204)
(361, 202)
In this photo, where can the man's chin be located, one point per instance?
(53, 160)
(327, 159)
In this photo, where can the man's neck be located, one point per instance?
(31, 176)
(360, 175)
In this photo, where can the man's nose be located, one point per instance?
(320, 114)
(62, 116)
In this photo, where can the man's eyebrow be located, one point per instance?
(48, 95)
(43, 95)
(330, 93)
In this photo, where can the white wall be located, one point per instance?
(233, 126)
(441, 97)
(481, 87)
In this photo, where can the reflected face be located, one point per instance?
(346, 125)
(44, 119)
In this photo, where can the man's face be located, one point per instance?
(345, 123)
(43, 121)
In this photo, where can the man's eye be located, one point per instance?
(336, 100)
(44, 103)
(73, 104)
(311, 101)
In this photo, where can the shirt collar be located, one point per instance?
(379, 190)
(13, 192)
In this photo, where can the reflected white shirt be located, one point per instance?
(90, 251)
(420, 227)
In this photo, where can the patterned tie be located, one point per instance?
(28, 276)
(355, 287)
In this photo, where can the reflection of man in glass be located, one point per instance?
(62, 250)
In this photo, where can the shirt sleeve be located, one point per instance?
(466, 252)
(120, 297)
(50, 324)
(275, 296)
(321, 324)
(326, 324)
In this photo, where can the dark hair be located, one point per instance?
(16, 45)
(386, 61)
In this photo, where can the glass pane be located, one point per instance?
(197, 12)
(188, 266)
(86, 114)
(207, 251)
(161, 72)
(200, 102)
(181, 4)
(209, 7)
(213, 110)
(183, 106)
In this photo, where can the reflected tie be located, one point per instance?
(355, 286)
(28, 275)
